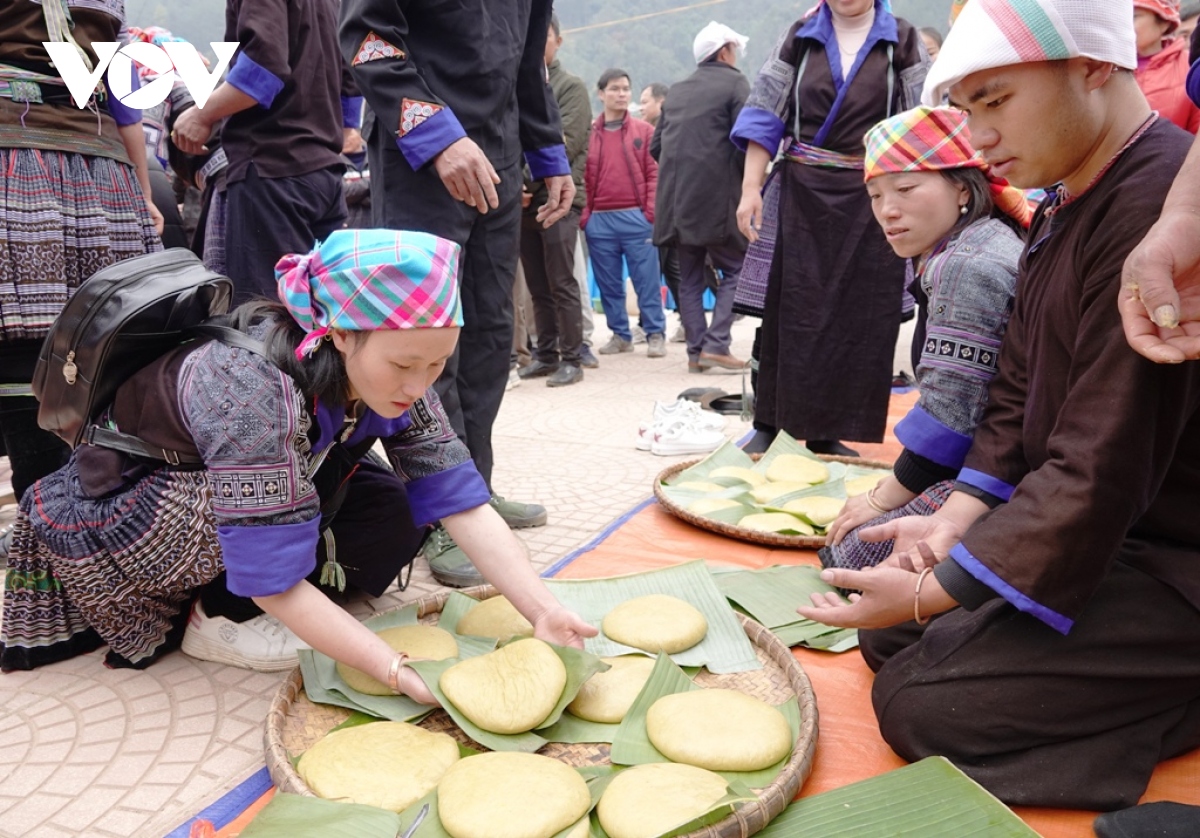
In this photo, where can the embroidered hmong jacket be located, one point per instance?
(434, 73)
(1089, 452)
(261, 440)
(969, 286)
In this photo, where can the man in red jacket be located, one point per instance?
(618, 218)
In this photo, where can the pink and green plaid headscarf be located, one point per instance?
(368, 280)
(928, 139)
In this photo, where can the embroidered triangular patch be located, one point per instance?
(413, 112)
(373, 48)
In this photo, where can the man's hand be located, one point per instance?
(1160, 294)
(192, 131)
(749, 214)
(561, 191)
(921, 540)
(562, 627)
(886, 599)
(468, 175)
(352, 141)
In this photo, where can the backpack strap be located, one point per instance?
(137, 447)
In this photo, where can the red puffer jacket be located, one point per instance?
(1163, 80)
(636, 176)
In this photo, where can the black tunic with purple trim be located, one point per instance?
(1092, 451)
(109, 551)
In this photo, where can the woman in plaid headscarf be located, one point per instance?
(937, 205)
(112, 550)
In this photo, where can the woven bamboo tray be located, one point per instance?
(768, 539)
(295, 724)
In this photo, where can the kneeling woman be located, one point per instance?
(937, 205)
(112, 551)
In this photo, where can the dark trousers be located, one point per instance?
(1039, 718)
(548, 256)
(374, 537)
(668, 263)
(268, 218)
(711, 338)
(32, 452)
(472, 385)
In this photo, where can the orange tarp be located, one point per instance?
(849, 747)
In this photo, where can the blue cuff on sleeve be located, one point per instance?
(548, 162)
(989, 484)
(922, 434)
(123, 114)
(763, 127)
(352, 111)
(987, 576)
(254, 80)
(454, 490)
(268, 560)
(1192, 84)
(430, 138)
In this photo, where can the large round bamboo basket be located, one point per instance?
(767, 539)
(294, 724)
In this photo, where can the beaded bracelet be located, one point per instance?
(917, 598)
(393, 675)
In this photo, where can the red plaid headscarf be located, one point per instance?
(928, 139)
(1168, 10)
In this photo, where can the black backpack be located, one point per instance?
(121, 319)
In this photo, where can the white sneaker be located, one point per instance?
(262, 643)
(667, 412)
(514, 380)
(684, 437)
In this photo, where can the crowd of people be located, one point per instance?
(1026, 579)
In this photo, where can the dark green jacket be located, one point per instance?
(574, 106)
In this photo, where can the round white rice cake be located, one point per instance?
(495, 617)
(864, 484)
(796, 468)
(656, 623)
(511, 795)
(746, 475)
(776, 522)
(423, 642)
(386, 764)
(821, 511)
(704, 506)
(607, 696)
(699, 486)
(647, 800)
(510, 690)
(719, 729)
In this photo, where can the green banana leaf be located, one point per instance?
(736, 793)
(929, 799)
(293, 815)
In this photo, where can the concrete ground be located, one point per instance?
(85, 750)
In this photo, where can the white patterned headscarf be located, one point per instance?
(999, 33)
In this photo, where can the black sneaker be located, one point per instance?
(565, 374)
(587, 360)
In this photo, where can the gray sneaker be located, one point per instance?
(679, 335)
(656, 346)
(447, 561)
(519, 515)
(615, 345)
(639, 336)
(586, 359)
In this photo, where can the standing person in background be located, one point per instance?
(548, 253)
(283, 136)
(74, 198)
(457, 100)
(699, 185)
(1163, 62)
(932, 39)
(618, 217)
(651, 101)
(833, 300)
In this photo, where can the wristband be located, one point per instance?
(393, 676)
(874, 504)
(917, 598)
